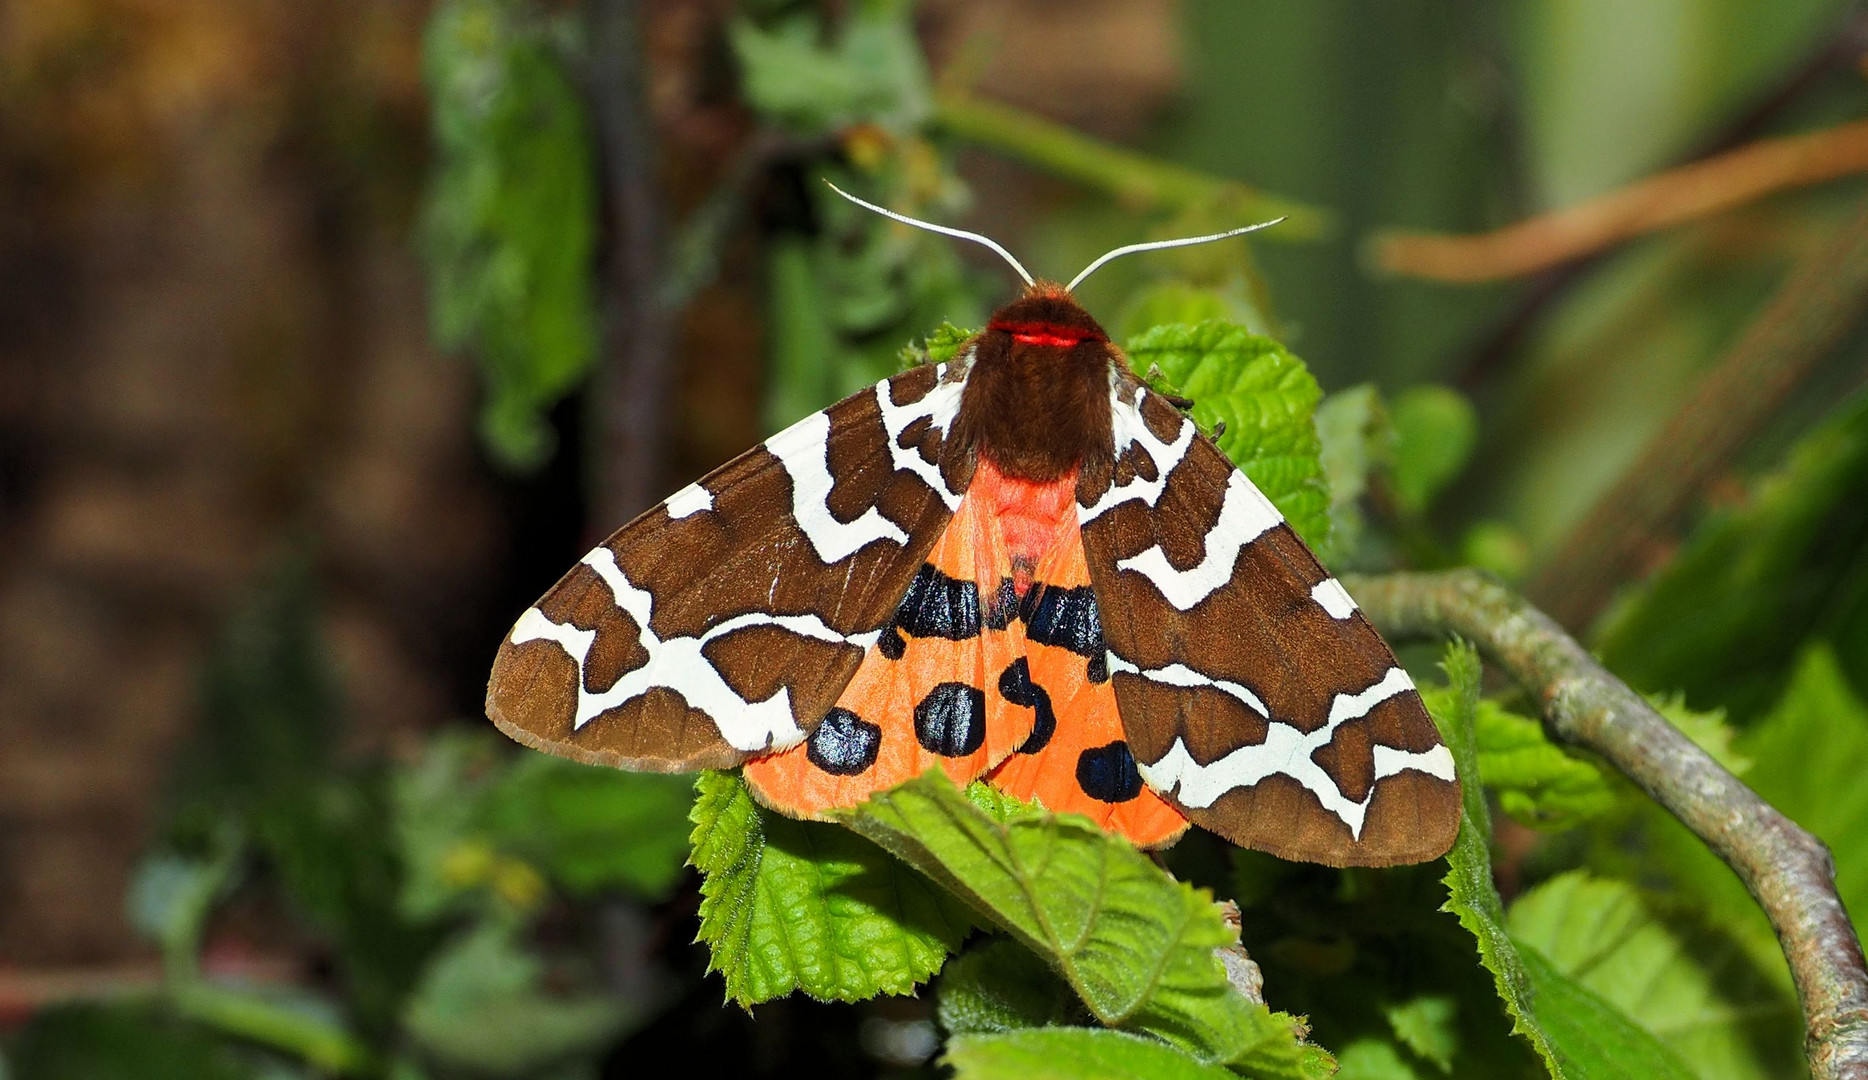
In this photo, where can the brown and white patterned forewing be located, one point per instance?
(1255, 696)
(724, 622)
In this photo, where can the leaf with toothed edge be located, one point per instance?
(1579, 1035)
(1265, 398)
(1136, 945)
(798, 905)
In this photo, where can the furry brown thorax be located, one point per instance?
(1037, 398)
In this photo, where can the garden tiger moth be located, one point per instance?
(1022, 565)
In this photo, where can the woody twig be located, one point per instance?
(1787, 870)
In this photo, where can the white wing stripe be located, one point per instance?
(678, 664)
(1131, 429)
(1244, 516)
(1288, 752)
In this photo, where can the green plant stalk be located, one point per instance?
(1786, 869)
(316, 1042)
(1129, 176)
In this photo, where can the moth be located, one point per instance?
(1023, 565)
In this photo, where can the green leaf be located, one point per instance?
(1355, 442)
(481, 1005)
(591, 828)
(1167, 302)
(1064, 1053)
(798, 905)
(1266, 400)
(1578, 1035)
(509, 219)
(873, 71)
(121, 1042)
(1726, 619)
(1537, 782)
(1691, 986)
(939, 347)
(1136, 945)
(998, 986)
(1427, 1026)
(1377, 1059)
(1435, 430)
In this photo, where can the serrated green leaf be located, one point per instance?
(481, 1005)
(999, 986)
(1435, 430)
(1136, 945)
(938, 347)
(1065, 1053)
(799, 905)
(1725, 621)
(1578, 1035)
(1537, 782)
(1691, 986)
(509, 218)
(1266, 400)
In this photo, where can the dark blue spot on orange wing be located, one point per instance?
(1065, 617)
(938, 606)
(1108, 773)
(1015, 686)
(951, 719)
(844, 744)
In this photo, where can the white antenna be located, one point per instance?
(1156, 245)
(961, 233)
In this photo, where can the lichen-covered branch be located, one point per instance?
(1788, 870)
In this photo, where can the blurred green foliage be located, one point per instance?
(434, 891)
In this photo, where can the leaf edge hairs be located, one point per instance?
(1022, 565)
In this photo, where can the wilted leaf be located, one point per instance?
(1266, 400)
(799, 905)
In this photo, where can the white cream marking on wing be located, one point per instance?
(1130, 429)
(678, 664)
(1178, 674)
(804, 450)
(1287, 751)
(689, 500)
(1244, 515)
(1333, 598)
(940, 406)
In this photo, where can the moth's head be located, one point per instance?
(1047, 316)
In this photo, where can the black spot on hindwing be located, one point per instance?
(1066, 618)
(1015, 686)
(951, 719)
(937, 606)
(844, 744)
(1108, 773)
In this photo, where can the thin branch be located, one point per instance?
(1131, 177)
(1658, 202)
(1821, 298)
(1788, 870)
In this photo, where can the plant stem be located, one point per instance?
(316, 1042)
(1821, 298)
(1658, 202)
(1131, 177)
(1787, 870)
